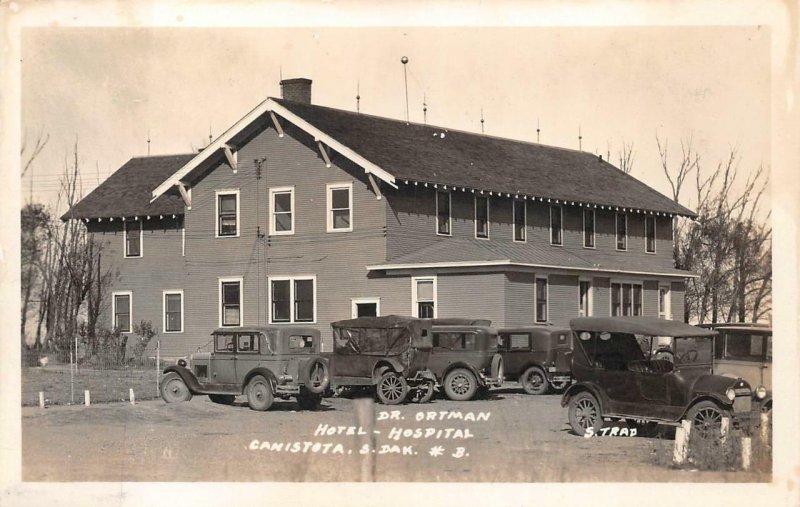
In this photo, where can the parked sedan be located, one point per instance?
(653, 370)
(538, 357)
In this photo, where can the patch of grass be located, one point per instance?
(103, 385)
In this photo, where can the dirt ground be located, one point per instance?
(514, 438)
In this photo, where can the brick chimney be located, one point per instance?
(297, 90)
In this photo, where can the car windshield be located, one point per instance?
(746, 347)
(610, 351)
(685, 350)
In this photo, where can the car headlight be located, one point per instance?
(730, 393)
(182, 362)
(761, 392)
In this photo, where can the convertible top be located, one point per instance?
(651, 326)
(385, 322)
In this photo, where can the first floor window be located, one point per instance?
(584, 309)
(663, 301)
(293, 299)
(227, 214)
(230, 299)
(133, 239)
(122, 312)
(519, 220)
(650, 234)
(541, 300)
(367, 307)
(443, 213)
(622, 231)
(173, 312)
(281, 211)
(340, 207)
(424, 298)
(626, 299)
(555, 224)
(588, 228)
(481, 217)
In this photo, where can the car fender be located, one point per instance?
(187, 376)
(267, 374)
(386, 364)
(719, 400)
(460, 364)
(590, 387)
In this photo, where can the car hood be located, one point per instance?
(200, 356)
(717, 384)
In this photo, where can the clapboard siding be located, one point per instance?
(677, 300)
(562, 298)
(601, 296)
(520, 292)
(480, 296)
(650, 298)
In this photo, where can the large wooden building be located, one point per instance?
(300, 213)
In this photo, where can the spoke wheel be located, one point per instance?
(174, 389)
(534, 381)
(259, 393)
(706, 418)
(584, 413)
(460, 385)
(422, 393)
(392, 389)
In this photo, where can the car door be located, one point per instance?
(222, 364)
(516, 351)
(611, 373)
(247, 354)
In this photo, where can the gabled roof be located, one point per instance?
(426, 153)
(464, 253)
(127, 191)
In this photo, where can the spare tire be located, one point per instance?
(497, 368)
(314, 375)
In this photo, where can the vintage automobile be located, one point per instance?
(539, 357)
(743, 350)
(652, 370)
(260, 362)
(464, 357)
(390, 353)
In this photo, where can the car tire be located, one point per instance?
(222, 399)
(706, 417)
(534, 381)
(559, 387)
(259, 393)
(584, 413)
(174, 389)
(498, 368)
(316, 377)
(422, 393)
(309, 401)
(392, 388)
(460, 384)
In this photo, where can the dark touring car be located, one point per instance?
(643, 368)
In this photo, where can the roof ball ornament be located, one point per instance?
(404, 60)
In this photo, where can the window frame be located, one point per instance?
(114, 309)
(593, 246)
(631, 284)
(647, 218)
(272, 214)
(667, 313)
(616, 229)
(560, 225)
(164, 320)
(589, 297)
(415, 302)
(449, 213)
(329, 188)
(220, 282)
(536, 299)
(292, 298)
(125, 240)
(524, 221)
(475, 217)
(217, 195)
(354, 302)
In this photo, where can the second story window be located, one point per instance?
(227, 213)
(650, 234)
(622, 231)
(519, 220)
(588, 228)
(230, 302)
(340, 207)
(443, 213)
(133, 238)
(281, 219)
(555, 225)
(481, 217)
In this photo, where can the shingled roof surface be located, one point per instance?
(438, 155)
(127, 192)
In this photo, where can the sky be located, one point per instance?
(108, 89)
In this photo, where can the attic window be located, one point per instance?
(133, 238)
(555, 225)
(481, 217)
(227, 213)
(443, 213)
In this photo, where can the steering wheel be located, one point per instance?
(689, 357)
(664, 353)
(229, 347)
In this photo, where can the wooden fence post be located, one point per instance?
(158, 367)
(764, 428)
(86, 398)
(724, 426)
(681, 449)
(132, 396)
(365, 419)
(41, 399)
(746, 450)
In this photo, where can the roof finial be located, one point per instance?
(537, 130)
(148, 142)
(580, 139)
(404, 61)
(358, 96)
(424, 110)
(481, 120)
(209, 133)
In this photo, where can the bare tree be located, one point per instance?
(30, 156)
(625, 156)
